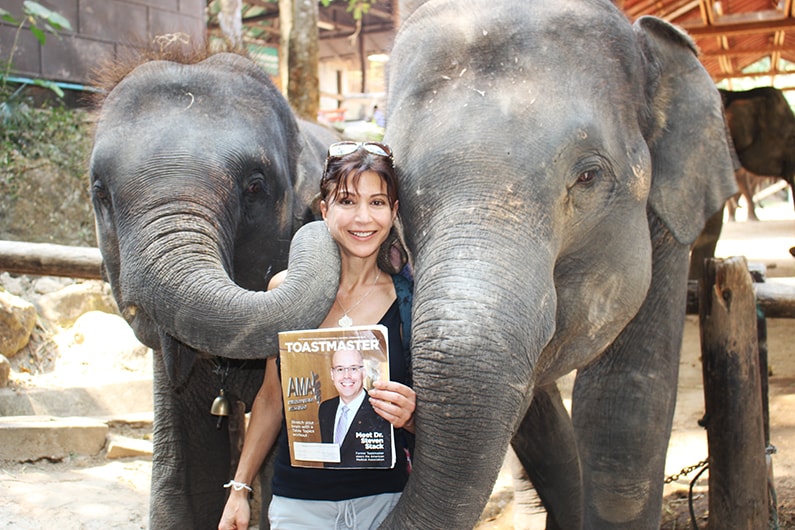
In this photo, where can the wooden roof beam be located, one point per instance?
(750, 52)
(771, 73)
(642, 8)
(741, 28)
(707, 15)
(681, 9)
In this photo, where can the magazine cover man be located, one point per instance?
(349, 419)
(325, 377)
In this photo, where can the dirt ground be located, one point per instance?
(94, 493)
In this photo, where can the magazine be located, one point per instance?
(326, 374)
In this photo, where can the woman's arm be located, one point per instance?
(263, 428)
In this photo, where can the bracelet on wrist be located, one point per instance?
(237, 486)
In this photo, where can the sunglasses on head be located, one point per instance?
(340, 149)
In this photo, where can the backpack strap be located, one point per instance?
(403, 290)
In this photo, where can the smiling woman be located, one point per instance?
(359, 206)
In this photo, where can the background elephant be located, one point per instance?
(200, 175)
(762, 127)
(556, 163)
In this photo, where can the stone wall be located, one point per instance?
(102, 30)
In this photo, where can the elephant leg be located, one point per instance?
(545, 446)
(623, 403)
(746, 182)
(191, 456)
(705, 245)
(528, 511)
(731, 208)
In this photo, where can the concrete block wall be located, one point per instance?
(102, 29)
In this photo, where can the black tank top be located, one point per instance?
(341, 484)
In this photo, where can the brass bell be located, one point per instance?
(220, 405)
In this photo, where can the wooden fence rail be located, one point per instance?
(46, 259)
(776, 300)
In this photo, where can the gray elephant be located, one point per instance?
(556, 163)
(200, 175)
(762, 127)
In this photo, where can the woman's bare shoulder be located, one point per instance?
(277, 279)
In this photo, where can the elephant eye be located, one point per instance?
(256, 185)
(99, 192)
(586, 177)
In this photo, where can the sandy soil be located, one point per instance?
(93, 493)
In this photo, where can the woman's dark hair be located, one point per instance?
(333, 182)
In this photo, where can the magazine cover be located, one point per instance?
(326, 374)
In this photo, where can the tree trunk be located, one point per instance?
(230, 18)
(299, 56)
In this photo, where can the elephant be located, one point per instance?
(556, 162)
(749, 184)
(762, 127)
(200, 175)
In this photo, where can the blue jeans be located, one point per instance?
(362, 513)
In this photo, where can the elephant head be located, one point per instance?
(200, 175)
(762, 127)
(555, 163)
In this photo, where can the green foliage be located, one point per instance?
(16, 114)
(57, 135)
(357, 7)
(43, 191)
(35, 15)
(43, 151)
(14, 109)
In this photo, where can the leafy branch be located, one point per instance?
(358, 8)
(36, 16)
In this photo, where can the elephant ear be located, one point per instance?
(692, 174)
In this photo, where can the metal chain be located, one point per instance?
(773, 522)
(685, 471)
(769, 450)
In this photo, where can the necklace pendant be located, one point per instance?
(345, 321)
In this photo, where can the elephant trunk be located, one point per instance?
(185, 288)
(479, 327)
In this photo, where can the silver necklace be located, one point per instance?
(345, 321)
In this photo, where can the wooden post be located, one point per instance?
(732, 397)
(758, 274)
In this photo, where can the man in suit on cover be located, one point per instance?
(342, 417)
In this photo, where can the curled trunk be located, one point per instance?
(207, 311)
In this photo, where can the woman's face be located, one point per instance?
(360, 220)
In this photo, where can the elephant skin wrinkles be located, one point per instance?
(556, 162)
(200, 176)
